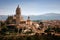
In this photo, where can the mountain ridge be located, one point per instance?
(47, 16)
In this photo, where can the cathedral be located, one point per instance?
(19, 18)
(18, 21)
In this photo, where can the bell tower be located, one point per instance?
(18, 14)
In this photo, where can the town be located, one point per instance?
(16, 26)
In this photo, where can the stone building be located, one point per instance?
(18, 21)
(19, 18)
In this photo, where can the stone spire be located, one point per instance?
(18, 6)
(18, 10)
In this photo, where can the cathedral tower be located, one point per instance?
(18, 15)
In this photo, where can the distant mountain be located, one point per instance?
(48, 16)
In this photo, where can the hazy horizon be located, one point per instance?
(29, 7)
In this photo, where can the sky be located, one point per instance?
(29, 7)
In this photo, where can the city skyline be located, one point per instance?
(29, 7)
